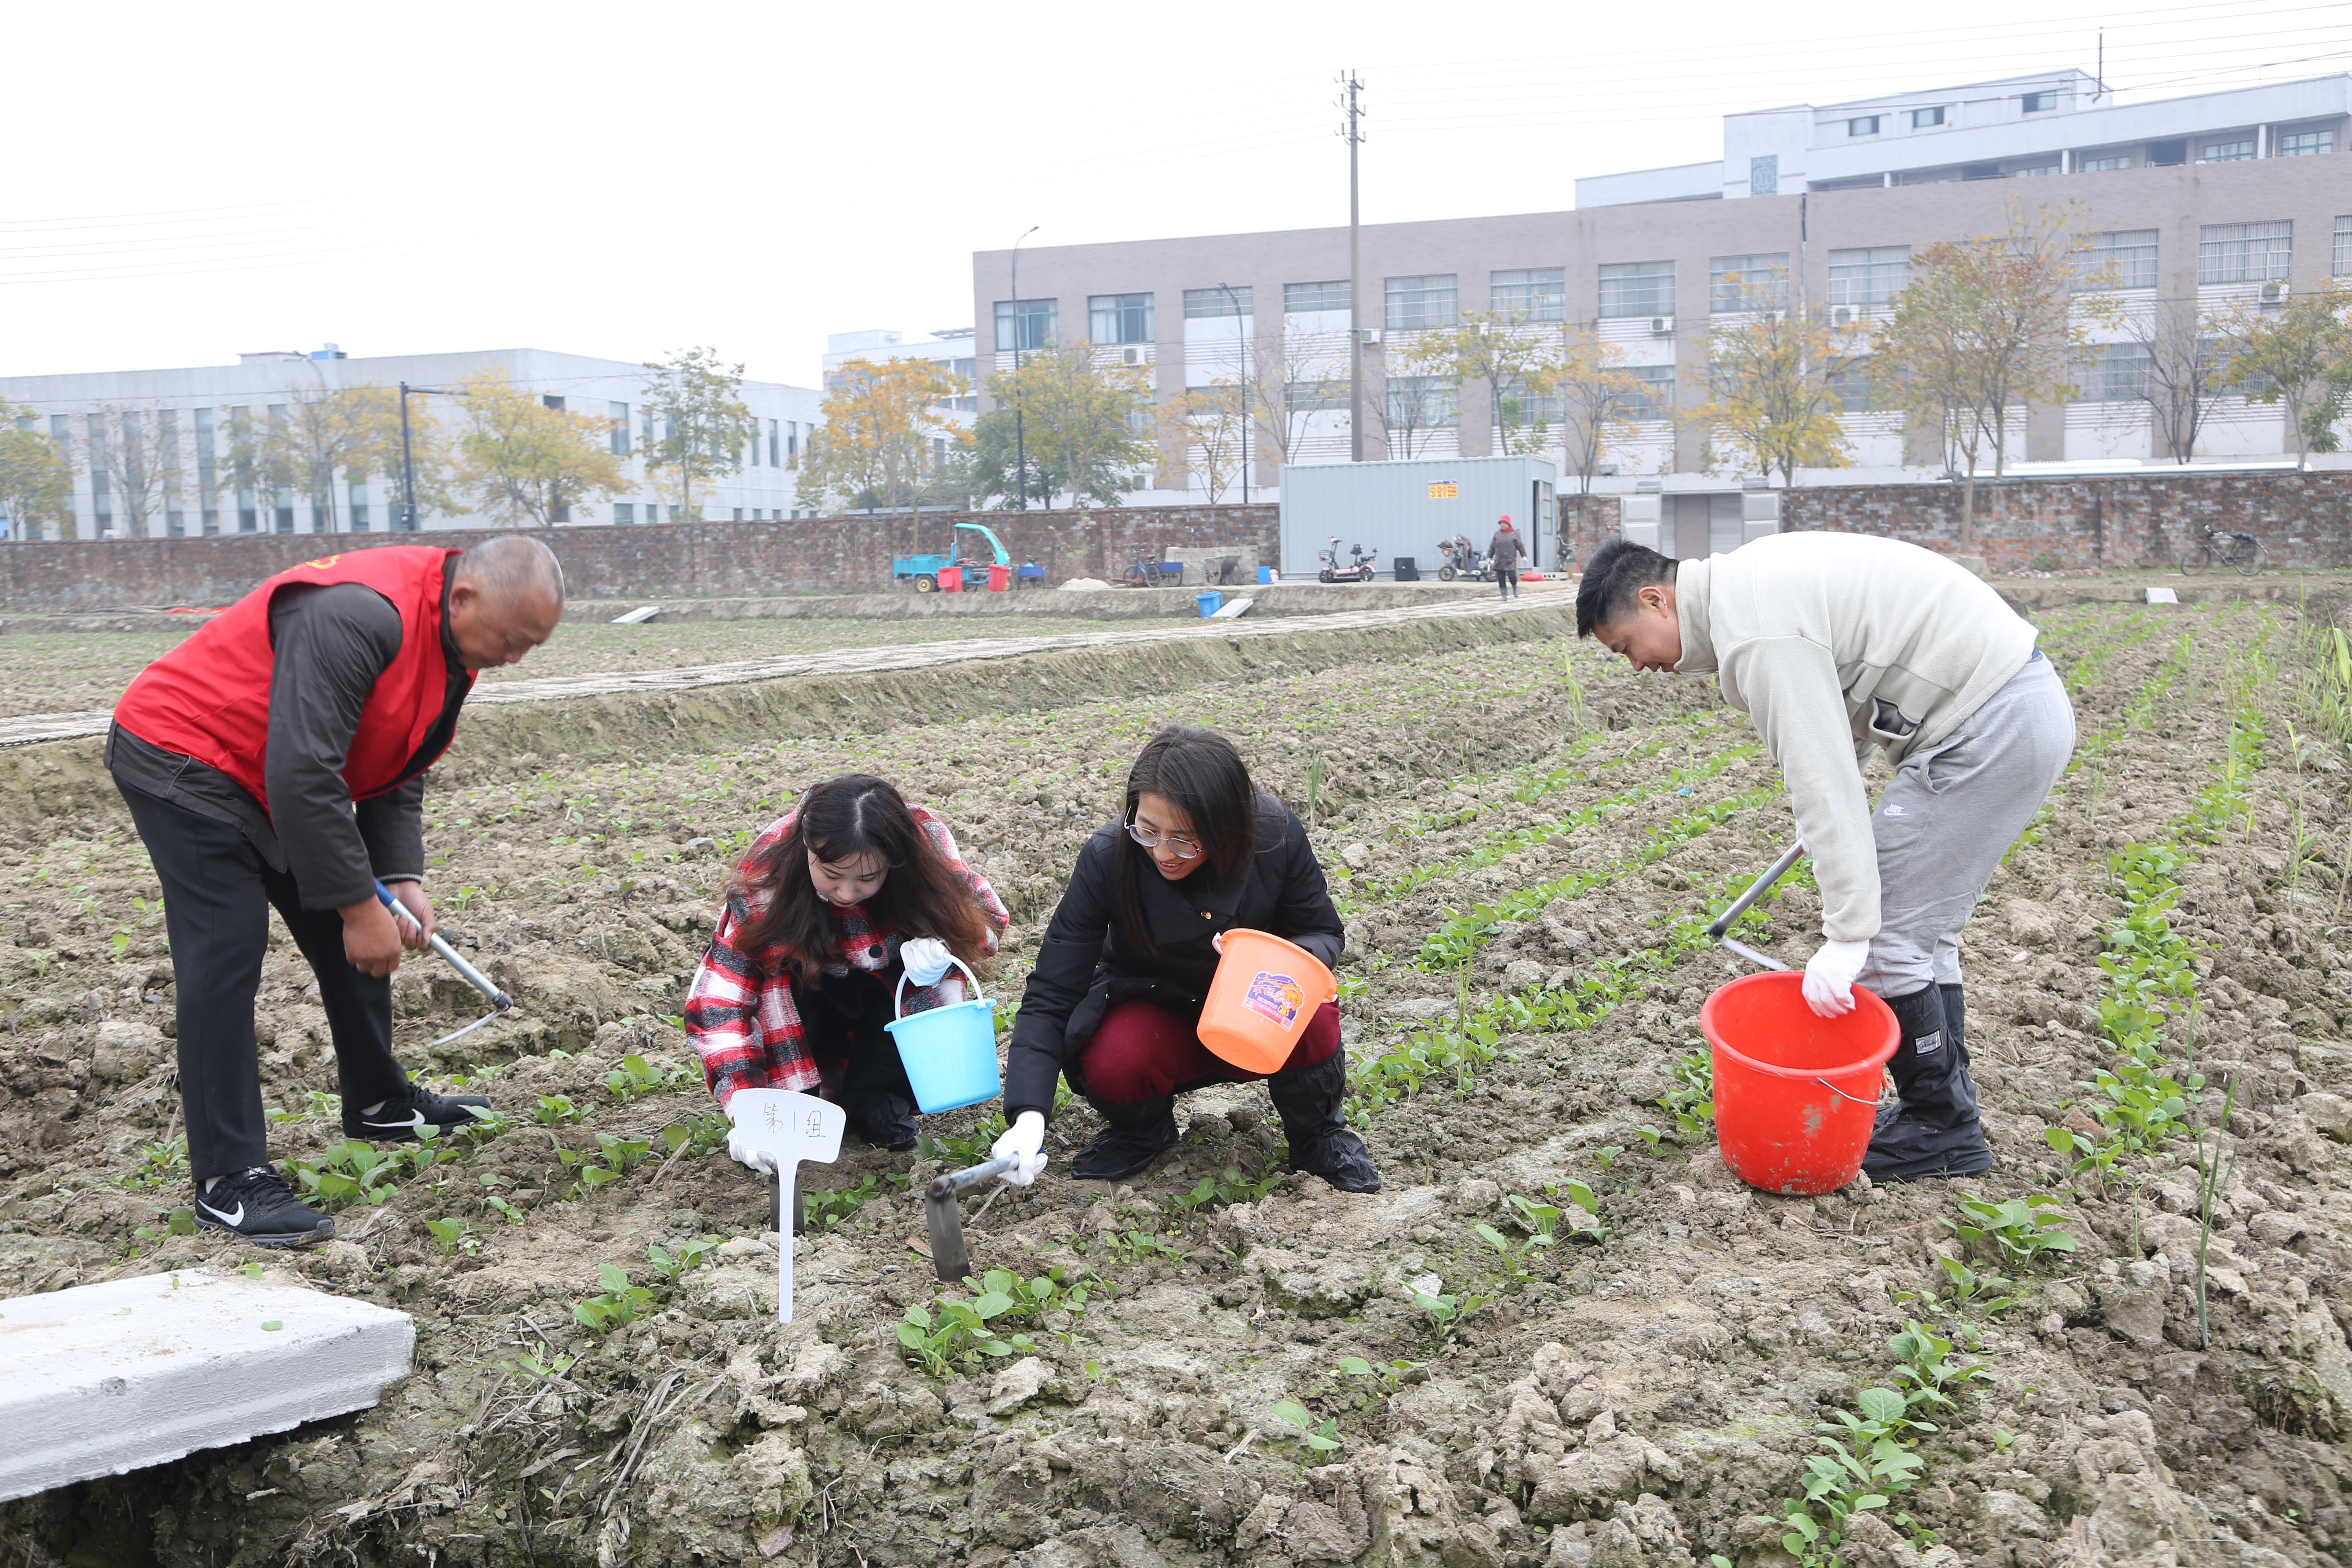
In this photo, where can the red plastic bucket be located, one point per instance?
(999, 578)
(1795, 1094)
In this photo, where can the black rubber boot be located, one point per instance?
(1310, 1103)
(1934, 1131)
(1138, 1134)
(882, 1119)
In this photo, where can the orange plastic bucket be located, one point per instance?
(1796, 1094)
(1266, 991)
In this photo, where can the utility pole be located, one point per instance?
(1020, 335)
(1351, 87)
(408, 457)
(1243, 388)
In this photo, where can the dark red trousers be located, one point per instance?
(1143, 1052)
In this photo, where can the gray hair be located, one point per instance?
(510, 565)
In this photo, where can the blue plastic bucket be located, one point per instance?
(1264, 577)
(949, 1052)
(1209, 602)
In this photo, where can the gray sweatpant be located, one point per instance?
(1949, 814)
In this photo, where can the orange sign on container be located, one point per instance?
(1444, 489)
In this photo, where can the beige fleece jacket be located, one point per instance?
(1834, 642)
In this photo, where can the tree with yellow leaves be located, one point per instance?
(1774, 407)
(519, 461)
(884, 437)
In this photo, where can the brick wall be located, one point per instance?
(2138, 520)
(835, 554)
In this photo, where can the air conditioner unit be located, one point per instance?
(1662, 326)
(2273, 293)
(1130, 356)
(1776, 315)
(1844, 316)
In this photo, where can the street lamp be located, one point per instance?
(1020, 332)
(408, 457)
(1243, 389)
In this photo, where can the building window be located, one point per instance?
(1637, 288)
(2306, 143)
(2113, 372)
(1314, 397)
(2119, 258)
(792, 445)
(1203, 303)
(1850, 384)
(2039, 102)
(2166, 154)
(207, 458)
(551, 400)
(1024, 326)
(645, 430)
(101, 492)
(1764, 176)
(2343, 247)
(1529, 294)
(1120, 318)
(1422, 403)
(619, 413)
(1921, 118)
(2226, 151)
(1862, 125)
(2033, 172)
(1758, 283)
(1873, 276)
(1429, 301)
(1524, 411)
(359, 496)
(775, 447)
(2103, 165)
(2243, 252)
(1331, 294)
(1653, 395)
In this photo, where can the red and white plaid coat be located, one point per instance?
(739, 1014)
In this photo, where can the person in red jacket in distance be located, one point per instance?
(276, 759)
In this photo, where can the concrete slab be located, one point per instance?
(103, 1379)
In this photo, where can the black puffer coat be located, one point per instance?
(1085, 964)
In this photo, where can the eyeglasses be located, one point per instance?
(1182, 848)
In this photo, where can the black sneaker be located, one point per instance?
(396, 1121)
(258, 1205)
(885, 1121)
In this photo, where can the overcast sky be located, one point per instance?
(182, 182)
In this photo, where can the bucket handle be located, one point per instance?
(899, 997)
(1842, 1094)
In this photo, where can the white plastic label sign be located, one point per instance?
(787, 1127)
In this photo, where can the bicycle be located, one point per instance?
(2242, 553)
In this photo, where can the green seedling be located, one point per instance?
(1928, 1369)
(1060, 1289)
(1227, 1187)
(949, 1334)
(449, 1237)
(536, 1369)
(1587, 1202)
(1541, 1219)
(1969, 1288)
(1607, 1154)
(486, 1123)
(1143, 1244)
(619, 1304)
(1447, 1313)
(1322, 1438)
(974, 1148)
(670, 1265)
(1512, 1252)
(1691, 1102)
(821, 1210)
(497, 1205)
(2023, 1229)
(159, 1164)
(177, 1222)
(555, 1110)
(1388, 1374)
(638, 1076)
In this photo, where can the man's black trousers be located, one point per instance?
(218, 894)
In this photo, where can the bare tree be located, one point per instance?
(1595, 391)
(133, 458)
(1420, 393)
(2178, 377)
(1204, 423)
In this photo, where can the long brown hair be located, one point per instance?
(1199, 771)
(839, 821)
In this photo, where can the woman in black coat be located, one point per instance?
(1114, 1002)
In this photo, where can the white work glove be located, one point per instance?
(926, 958)
(1829, 977)
(739, 1150)
(1025, 1141)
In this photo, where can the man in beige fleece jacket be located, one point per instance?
(1835, 644)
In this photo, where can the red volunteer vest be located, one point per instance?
(209, 697)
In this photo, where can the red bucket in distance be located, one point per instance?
(1795, 1094)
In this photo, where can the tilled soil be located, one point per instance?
(1642, 1396)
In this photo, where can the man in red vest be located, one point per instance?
(277, 759)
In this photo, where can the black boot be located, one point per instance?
(881, 1118)
(1136, 1136)
(1934, 1131)
(1310, 1101)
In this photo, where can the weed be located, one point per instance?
(973, 1148)
(1390, 1376)
(821, 1210)
(1142, 1244)
(536, 1369)
(1225, 1188)
(159, 1164)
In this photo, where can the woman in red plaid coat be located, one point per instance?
(852, 888)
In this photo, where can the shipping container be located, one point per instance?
(1404, 509)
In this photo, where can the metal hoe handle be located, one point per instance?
(499, 1000)
(951, 1258)
(1761, 886)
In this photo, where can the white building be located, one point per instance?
(191, 418)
